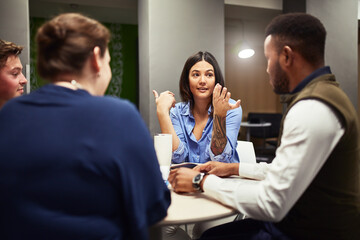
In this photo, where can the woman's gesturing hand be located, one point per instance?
(221, 101)
(165, 101)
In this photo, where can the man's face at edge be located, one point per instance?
(277, 77)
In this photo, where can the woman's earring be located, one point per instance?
(98, 75)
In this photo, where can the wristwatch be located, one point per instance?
(197, 180)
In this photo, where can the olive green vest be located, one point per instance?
(330, 207)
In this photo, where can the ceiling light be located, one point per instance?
(246, 53)
(245, 50)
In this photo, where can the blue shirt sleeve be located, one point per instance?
(182, 152)
(147, 201)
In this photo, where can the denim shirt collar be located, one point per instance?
(318, 72)
(189, 126)
(187, 112)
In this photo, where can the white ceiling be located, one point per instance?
(269, 4)
(99, 3)
(116, 11)
(125, 11)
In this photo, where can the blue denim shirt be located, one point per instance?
(191, 150)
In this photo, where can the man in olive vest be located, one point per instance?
(311, 190)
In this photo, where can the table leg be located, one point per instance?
(155, 233)
(248, 134)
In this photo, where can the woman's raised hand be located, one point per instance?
(165, 101)
(221, 101)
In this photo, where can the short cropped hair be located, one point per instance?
(185, 92)
(8, 49)
(65, 42)
(302, 32)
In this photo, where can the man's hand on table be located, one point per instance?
(219, 168)
(181, 178)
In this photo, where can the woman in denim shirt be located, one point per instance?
(205, 125)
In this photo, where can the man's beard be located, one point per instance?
(280, 81)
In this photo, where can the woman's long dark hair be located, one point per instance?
(185, 92)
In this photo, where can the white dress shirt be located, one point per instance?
(311, 131)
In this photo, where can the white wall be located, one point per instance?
(341, 23)
(269, 4)
(14, 27)
(169, 32)
(247, 79)
(108, 11)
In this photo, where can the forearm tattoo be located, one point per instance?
(218, 140)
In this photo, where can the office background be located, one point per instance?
(161, 34)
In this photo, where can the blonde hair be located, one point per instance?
(65, 42)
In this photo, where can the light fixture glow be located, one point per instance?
(246, 53)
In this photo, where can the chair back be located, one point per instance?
(246, 152)
(268, 132)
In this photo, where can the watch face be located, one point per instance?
(196, 181)
(197, 178)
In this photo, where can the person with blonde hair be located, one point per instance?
(12, 80)
(76, 164)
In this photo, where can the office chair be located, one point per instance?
(246, 151)
(268, 135)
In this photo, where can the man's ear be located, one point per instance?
(95, 59)
(286, 56)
